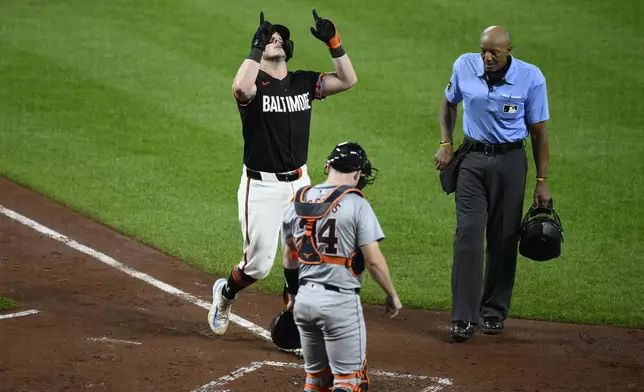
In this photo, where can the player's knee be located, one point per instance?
(262, 271)
(259, 262)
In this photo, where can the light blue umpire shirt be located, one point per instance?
(500, 114)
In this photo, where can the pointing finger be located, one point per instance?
(261, 17)
(315, 15)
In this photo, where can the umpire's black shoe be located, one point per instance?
(492, 325)
(462, 330)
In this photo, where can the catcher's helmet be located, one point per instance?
(287, 44)
(541, 233)
(348, 157)
(284, 332)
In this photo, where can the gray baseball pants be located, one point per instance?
(333, 337)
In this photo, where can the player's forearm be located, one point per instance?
(540, 148)
(291, 270)
(287, 258)
(344, 71)
(447, 119)
(379, 271)
(244, 82)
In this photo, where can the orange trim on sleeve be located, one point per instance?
(243, 104)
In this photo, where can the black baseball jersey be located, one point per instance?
(276, 121)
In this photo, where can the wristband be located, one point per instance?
(255, 54)
(337, 52)
(541, 179)
(292, 276)
(443, 144)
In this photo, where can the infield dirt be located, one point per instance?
(169, 346)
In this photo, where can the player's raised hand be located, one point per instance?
(263, 34)
(325, 31)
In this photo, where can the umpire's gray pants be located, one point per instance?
(333, 337)
(490, 191)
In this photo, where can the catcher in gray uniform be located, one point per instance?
(330, 234)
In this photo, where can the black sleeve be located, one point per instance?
(313, 81)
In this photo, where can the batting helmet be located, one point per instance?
(541, 233)
(287, 44)
(284, 332)
(348, 157)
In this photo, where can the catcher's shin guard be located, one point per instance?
(320, 381)
(355, 382)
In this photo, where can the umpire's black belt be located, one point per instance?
(356, 290)
(284, 177)
(494, 149)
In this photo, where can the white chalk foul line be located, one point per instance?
(18, 314)
(132, 272)
(250, 326)
(110, 340)
(215, 386)
(221, 381)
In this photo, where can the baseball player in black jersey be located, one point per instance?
(275, 108)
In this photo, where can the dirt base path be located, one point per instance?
(98, 328)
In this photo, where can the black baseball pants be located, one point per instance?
(489, 206)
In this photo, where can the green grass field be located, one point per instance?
(7, 304)
(122, 110)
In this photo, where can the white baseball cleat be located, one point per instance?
(219, 314)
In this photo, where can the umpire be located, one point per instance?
(504, 99)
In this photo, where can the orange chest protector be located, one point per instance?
(308, 247)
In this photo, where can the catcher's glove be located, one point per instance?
(284, 332)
